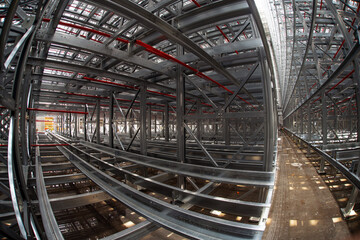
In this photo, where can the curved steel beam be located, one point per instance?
(133, 10)
(83, 44)
(99, 72)
(309, 41)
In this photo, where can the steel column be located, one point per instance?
(143, 140)
(198, 121)
(84, 123)
(149, 122)
(98, 138)
(324, 129)
(180, 112)
(111, 120)
(166, 121)
(76, 126)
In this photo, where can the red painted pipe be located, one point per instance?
(196, 3)
(341, 81)
(352, 24)
(333, 87)
(149, 49)
(221, 31)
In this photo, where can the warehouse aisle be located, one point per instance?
(303, 207)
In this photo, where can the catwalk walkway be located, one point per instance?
(303, 206)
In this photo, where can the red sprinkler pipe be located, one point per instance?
(196, 3)
(352, 24)
(151, 50)
(333, 87)
(341, 81)
(227, 39)
(197, 73)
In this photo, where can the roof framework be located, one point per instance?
(165, 112)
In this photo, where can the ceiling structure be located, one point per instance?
(164, 113)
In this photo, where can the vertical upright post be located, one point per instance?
(336, 127)
(357, 96)
(268, 106)
(131, 124)
(198, 121)
(354, 194)
(309, 128)
(69, 124)
(111, 119)
(98, 140)
(324, 129)
(143, 142)
(166, 121)
(76, 126)
(104, 126)
(297, 122)
(155, 130)
(149, 122)
(84, 122)
(64, 122)
(301, 124)
(180, 112)
(60, 124)
(226, 124)
(324, 118)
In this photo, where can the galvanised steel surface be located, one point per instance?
(164, 103)
(320, 86)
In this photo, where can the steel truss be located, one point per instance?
(158, 109)
(320, 86)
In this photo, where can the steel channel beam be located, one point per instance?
(143, 125)
(309, 42)
(350, 57)
(355, 180)
(47, 215)
(241, 208)
(184, 222)
(152, 21)
(97, 48)
(254, 178)
(97, 72)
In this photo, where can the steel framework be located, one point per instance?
(165, 115)
(320, 84)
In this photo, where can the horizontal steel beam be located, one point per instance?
(184, 222)
(253, 178)
(355, 180)
(350, 57)
(97, 48)
(238, 207)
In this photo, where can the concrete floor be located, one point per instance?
(303, 206)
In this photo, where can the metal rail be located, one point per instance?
(185, 222)
(355, 180)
